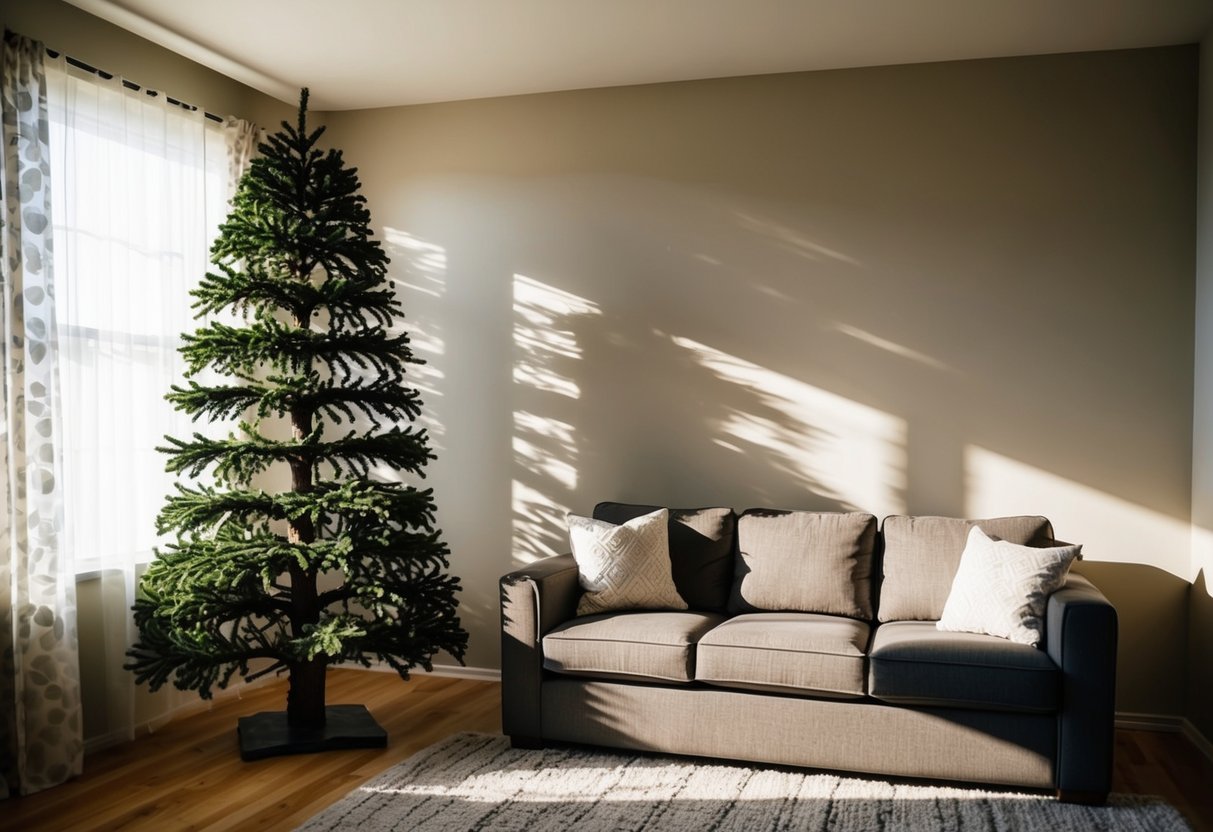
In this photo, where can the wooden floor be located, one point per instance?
(188, 775)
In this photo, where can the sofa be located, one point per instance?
(810, 639)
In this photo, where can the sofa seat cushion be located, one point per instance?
(806, 654)
(914, 663)
(633, 646)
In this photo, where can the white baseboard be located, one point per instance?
(94, 744)
(480, 674)
(484, 674)
(1169, 723)
(1194, 736)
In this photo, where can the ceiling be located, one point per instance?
(354, 54)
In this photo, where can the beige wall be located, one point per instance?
(66, 29)
(1200, 623)
(960, 288)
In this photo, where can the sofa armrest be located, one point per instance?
(1081, 633)
(533, 601)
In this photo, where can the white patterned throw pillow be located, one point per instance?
(624, 567)
(1001, 588)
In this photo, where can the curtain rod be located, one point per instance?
(130, 85)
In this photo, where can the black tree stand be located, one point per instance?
(269, 733)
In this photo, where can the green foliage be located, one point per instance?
(342, 566)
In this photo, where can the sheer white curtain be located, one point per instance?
(140, 187)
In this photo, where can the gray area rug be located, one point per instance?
(477, 782)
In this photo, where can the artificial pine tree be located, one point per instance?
(343, 565)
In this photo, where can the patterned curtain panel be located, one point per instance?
(41, 732)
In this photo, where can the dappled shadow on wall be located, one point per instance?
(1110, 528)
(838, 449)
(418, 277)
(545, 448)
(667, 416)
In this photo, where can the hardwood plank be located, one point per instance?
(188, 775)
(1166, 764)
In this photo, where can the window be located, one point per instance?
(140, 186)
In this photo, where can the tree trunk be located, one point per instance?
(305, 699)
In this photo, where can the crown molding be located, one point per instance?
(161, 36)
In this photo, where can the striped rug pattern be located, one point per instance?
(477, 782)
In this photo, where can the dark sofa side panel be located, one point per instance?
(533, 601)
(1081, 631)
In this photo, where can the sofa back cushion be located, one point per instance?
(804, 561)
(702, 541)
(922, 554)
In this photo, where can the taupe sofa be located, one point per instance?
(810, 641)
